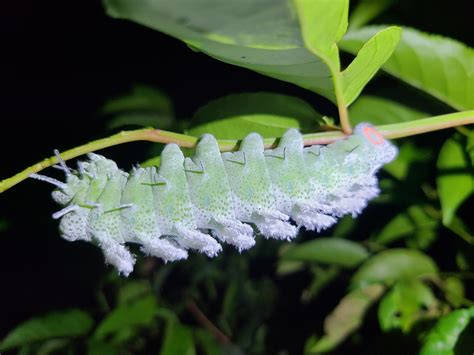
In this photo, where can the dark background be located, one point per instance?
(59, 61)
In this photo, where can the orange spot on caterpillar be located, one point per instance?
(373, 136)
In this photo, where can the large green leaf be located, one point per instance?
(334, 251)
(394, 265)
(263, 35)
(345, 318)
(290, 41)
(368, 61)
(323, 23)
(455, 179)
(70, 323)
(437, 65)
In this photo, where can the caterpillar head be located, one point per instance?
(376, 148)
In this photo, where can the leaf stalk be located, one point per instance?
(390, 131)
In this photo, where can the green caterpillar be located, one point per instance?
(192, 203)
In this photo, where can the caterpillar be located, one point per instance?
(195, 203)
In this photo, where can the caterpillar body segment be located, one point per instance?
(193, 203)
(253, 192)
(211, 196)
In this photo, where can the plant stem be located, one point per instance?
(341, 104)
(206, 323)
(391, 131)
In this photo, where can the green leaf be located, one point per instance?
(413, 223)
(69, 323)
(458, 226)
(286, 267)
(269, 114)
(442, 338)
(143, 106)
(393, 265)
(454, 291)
(133, 290)
(178, 340)
(207, 342)
(155, 161)
(239, 127)
(322, 277)
(367, 10)
(323, 23)
(346, 318)
(405, 304)
(140, 313)
(54, 346)
(380, 111)
(259, 103)
(263, 36)
(98, 347)
(437, 65)
(368, 61)
(334, 251)
(455, 179)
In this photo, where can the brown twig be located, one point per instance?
(206, 323)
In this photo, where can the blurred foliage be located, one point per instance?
(399, 279)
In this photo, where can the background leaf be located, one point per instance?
(239, 127)
(178, 340)
(437, 65)
(346, 317)
(141, 312)
(410, 157)
(69, 323)
(366, 10)
(407, 302)
(380, 111)
(413, 223)
(259, 103)
(269, 114)
(334, 251)
(142, 106)
(455, 179)
(393, 265)
(443, 336)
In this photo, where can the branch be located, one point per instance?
(206, 323)
(391, 131)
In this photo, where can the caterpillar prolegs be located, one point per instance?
(195, 203)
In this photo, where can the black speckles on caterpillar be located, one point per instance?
(195, 203)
